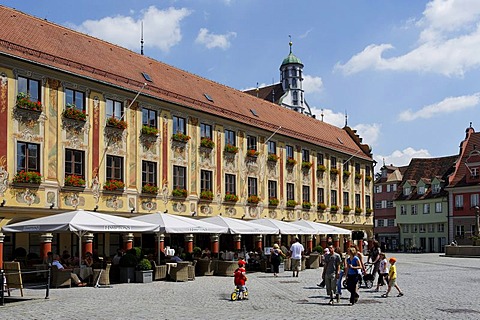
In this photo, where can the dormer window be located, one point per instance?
(406, 191)
(436, 188)
(474, 172)
(421, 190)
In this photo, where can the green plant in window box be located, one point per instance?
(73, 180)
(321, 206)
(368, 178)
(306, 165)
(149, 131)
(231, 197)
(334, 171)
(113, 185)
(23, 176)
(273, 202)
(321, 168)
(334, 208)
(207, 143)
(346, 209)
(306, 204)
(358, 176)
(24, 102)
(368, 211)
(272, 157)
(72, 112)
(291, 203)
(206, 195)
(252, 153)
(291, 161)
(181, 137)
(116, 123)
(149, 188)
(177, 192)
(358, 210)
(346, 173)
(253, 199)
(231, 148)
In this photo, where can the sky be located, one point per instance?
(404, 74)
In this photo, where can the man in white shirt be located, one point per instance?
(296, 253)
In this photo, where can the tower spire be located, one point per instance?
(290, 43)
(141, 41)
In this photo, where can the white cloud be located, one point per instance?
(211, 40)
(303, 36)
(336, 119)
(161, 28)
(368, 132)
(312, 84)
(448, 43)
(400, 158)
(448, 105)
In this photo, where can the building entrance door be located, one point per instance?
(431, 245)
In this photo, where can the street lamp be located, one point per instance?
(477, 221)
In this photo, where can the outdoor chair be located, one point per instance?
(191, 270)
(13, 276)
(159, 272)
(60, 278)
(102, 275)
(180, 272)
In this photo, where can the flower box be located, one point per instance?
(346, 209)
(306, 165)
(116, 123)
(149, 131)
(358, 210)
(306, 205)
(273, 202)
(206, 195)
(230, 197)
(207, 143)
(334, 171)
(321, 168)
(230, 148)
(30, 177)
(346, 173)
(368, 178)
(272, 157)
(334, 208)
(114, 185)
(321, 206)
(358, 176)
(71, 112)
(24, 102)
(253, 199)
(149, 188)
(180, 137)
(291, 161)
(74, 181)
(291, 203)
(252, 153)
(368, 211)
(177, 192)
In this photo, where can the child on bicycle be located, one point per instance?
(240, 279)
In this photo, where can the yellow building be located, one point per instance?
(117, 132)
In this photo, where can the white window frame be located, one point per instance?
(426, 208)
(438, 207)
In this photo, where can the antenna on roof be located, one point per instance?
(273, 90)
(141, 41)
(290, 43)
(257, 89)
(321, 114)
(346, 118)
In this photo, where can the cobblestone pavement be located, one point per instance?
(435, 287)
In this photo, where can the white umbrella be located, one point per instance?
(321, 228)
(80, 222)
(283, 227)
(236, 226)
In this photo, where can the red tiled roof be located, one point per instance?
(25, 37)
(471, 141)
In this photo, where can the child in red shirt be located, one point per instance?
(240, 279)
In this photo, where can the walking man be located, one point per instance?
(331, 272)
(296, 253)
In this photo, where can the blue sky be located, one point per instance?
(406, 72)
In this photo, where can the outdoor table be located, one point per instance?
(170, 265)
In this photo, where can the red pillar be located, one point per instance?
(336, 241)
(347, 244)
(45, 245)
(237, 240)
(214, 243)
(189, 243)
(87, 245)
(2, 237)
(259, 242)
(309, 243)
(323, 241)
(360, 245)
(160, 238)
(128, 241)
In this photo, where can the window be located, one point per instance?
(367, 171)
(384, 204)
(179, 125)
(333, 162)
(422, 228)
(149, 118)
(230, 185)
(367, 202)
(357, 201)
(295, 93)
(272, 147)
(114, 109)
(179, 177)
(305, 155)
(414, 228)
(321, 195)
(333, 197)
(474, 200)
(320, 159)
(252, 187)
(378, 189)
(346, 166)
(460, 230)
(378, 204)
(305, 193)
(388, 188)
(431, 227)
(206, 183)
(290, 191)
(436, 188)
(406, 191)
(29, 87)
(75, 98)
(394, 187)
(459, 201)
(438, 207)
(28, 157)
(421, 190)
(114, 168)
(252, 143)
(230, 137)
(289, 151)
(413, 209)
(426, 208)
(403, 210)
(406, 228)
(389, 204)
(74, 163)
(206, 131)
(346, 199)
(391, 223)
(441, 227)
(380, 223)
(357, 167)
(149, 173)
(272, 189)
(474, 172)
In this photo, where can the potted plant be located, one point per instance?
(180, 137)
(31, 177)
(144, 272)
(253, 199)
(114, 185)
(206, 195)
(333, 208)
(207, 143)
(149, 188)
(24, 102)
(291, 203)
(72, 112)
(230, 197)
(117, 123)
(321, 206)
(334, 171)
(306, 204)
(358, 210)
(149, 131)
(73, 180)
(291, 161)
(273, 202)
(321, 168)
(346, 209)
(177, 192)
(306, 165)
(272, 157)
(252, 153)
(230, 148)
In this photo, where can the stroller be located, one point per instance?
(366, 280)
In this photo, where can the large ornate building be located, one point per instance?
(85, 124)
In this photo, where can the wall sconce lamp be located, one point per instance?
(95, 209)
(328, 221)
(166, 211)
(283, 219)
(52, 205)
(133, 210)
(194, 213)
(243, 217)
(2, 204)
(314, 220)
